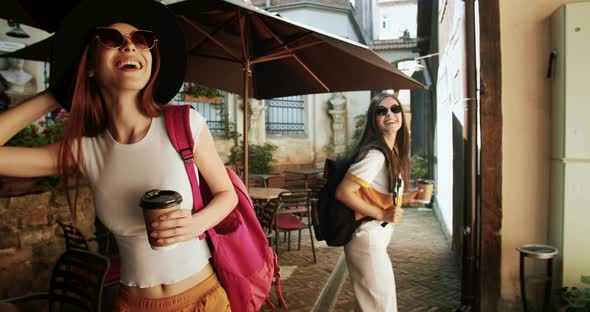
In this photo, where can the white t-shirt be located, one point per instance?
(119, 175)
(372, 175)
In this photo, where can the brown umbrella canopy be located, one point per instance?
(285, 58)
(242, 49)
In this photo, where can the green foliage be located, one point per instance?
(200, 90)
(232, 133)
(260, 158)
(577, 299)
(419, 169)
(46, 132)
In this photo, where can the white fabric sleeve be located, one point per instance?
(197, 122)
(367, 168)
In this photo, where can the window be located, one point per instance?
(385, 22)
(215, 114)
(285, 115)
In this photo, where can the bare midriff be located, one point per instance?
(168, 290)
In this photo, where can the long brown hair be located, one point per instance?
(88, 117)
(397, 160)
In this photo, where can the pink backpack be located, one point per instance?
(244, 262)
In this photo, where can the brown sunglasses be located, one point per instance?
(114, 39)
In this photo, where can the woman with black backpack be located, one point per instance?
(372, 187)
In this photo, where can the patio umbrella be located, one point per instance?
(237, 47)
(242, 49)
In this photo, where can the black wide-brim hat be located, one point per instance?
(78, 29)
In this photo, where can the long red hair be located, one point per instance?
(397, 159)
(88, 117)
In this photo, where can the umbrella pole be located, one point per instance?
(246, 119)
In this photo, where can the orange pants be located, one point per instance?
(207, 296)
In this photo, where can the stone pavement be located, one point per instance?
(426, 272)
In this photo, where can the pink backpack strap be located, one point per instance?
(277, 279)
(179, 130)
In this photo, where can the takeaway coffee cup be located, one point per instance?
(427, 187)
(155, 203)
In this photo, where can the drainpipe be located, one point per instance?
(470, 275)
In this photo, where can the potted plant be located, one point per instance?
(260, 158)
(201, 94)
(576, 299)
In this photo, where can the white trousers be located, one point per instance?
(370, 268)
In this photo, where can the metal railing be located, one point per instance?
(286, 115)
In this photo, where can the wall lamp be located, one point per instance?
(16, 31)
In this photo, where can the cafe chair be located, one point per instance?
(294, 181)
(292, 213)
(266, 215)
(254, 181)
(277, 181)
(76, 283)
(74, 239)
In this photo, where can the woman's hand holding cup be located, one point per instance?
(166, 223)
(173, 227)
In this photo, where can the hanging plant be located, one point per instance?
(201, 94)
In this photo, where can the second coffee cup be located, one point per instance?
(155, 203)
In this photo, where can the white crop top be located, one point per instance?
(119, 174)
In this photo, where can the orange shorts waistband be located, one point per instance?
(129, 302)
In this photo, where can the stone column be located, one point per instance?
(257, 134)
(338, 113)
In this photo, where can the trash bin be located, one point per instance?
(539, 252)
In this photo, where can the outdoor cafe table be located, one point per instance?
(306, 173)
(265, 193)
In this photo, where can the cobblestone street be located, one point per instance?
(426, 272)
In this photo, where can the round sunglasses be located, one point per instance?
(114, 39)
(382, 110)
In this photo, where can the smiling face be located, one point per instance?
(126, 68)
(389, 122)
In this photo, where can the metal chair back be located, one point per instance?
(77, 281)
(74, 238)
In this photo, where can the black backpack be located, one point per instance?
(333, 221)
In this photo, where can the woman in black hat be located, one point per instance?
(114, 64)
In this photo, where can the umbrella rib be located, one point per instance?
(281, 47)
(221, 45)
(271, 58)
(282, 54)
(198, 45)
(297, 59)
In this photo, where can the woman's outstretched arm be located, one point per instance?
(27, 161)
